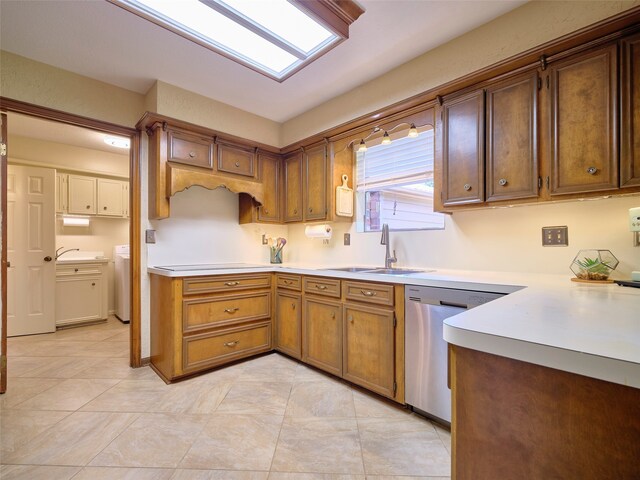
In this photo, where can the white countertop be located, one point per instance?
(71, 261)
(588, 329)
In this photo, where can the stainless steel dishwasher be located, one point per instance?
(426, 351)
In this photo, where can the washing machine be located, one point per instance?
(123, 282)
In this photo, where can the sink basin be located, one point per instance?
(397, 271)
(351, 269)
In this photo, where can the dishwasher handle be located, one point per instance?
(455, 305)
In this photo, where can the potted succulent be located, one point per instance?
(594, 265)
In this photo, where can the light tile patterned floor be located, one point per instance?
(74, 409)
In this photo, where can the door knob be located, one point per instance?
(47, 258)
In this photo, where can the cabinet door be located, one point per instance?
(463, 149)
(270, 176)
(289, 323)
(512, 160)
(315, 186)
(322, 335)
(583, 127)
(236, 159)
(369, 355)
(82, 194)
(110, 197)
(62, 193)
(630, 115)
(79, 299)
(293, 188)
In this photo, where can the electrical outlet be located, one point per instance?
(264, 239)
(150, 236)
(347, 239)
(325, 242)
(555, 236)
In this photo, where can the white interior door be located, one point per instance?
(31, 275)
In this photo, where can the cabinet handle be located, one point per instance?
(592, 170)
(93, 284)
(321, 287)
(351, 318)
(467, 187)
(333, 314)
(265, 211)
(192, 154)
(310, 210)
(46, 259)
(502, 182)
(75, 269)
(104, 208)
(231, 284)
(231, 310)
(88, 207)
(232, 344)
(237, 164)
(295, 211)
(368, 293)
(293, 306)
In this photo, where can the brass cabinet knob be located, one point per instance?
(467, 187)
(351, 318)
(295, 211)
(321, 287)
(592, 170)
(192, 154)
(231, 284)
(368, 293)
(232, 344)
(310, 210)
(237, 164)
(231, 310)
(502, 182)
(293, 306)
(266, 212)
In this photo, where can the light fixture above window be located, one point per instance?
(118, 142)
(275, 37)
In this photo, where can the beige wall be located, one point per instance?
(184, 105)
(532, 24)
(41, 84)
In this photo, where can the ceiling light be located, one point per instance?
(118, 142)
(413, 131)
(386, 139)
(362, 147)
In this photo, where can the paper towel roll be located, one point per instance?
(318, 231)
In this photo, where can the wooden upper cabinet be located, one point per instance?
(583, 122)
(190, 149)
(463, 149)
(630, 112)
(236, 159)
(315, 186)
(293, 187)
(511, 139)
(269, 171)
(82, 194)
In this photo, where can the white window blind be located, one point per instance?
(394, 185)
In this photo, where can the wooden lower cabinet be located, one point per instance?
(288, 331)
(368, 343)
(513, 419)
(322, 334)
(199, 323)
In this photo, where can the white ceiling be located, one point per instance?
(100, 40)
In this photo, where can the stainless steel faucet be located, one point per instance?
(385, 240)
(58, 255)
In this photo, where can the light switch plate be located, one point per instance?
(347, 239)
(634, 219)
(150, 236)
(555, 236)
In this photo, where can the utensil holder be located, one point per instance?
(275, 255)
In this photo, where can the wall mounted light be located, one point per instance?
(75, 222)
(386, 139)
(118, 142)
(362, 147)
(413, 131)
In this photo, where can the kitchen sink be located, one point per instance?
(397, 271)
(351, 269)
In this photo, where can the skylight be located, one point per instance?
(273, 37)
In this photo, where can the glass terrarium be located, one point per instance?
(594, 264)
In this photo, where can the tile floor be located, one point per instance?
(74, 409)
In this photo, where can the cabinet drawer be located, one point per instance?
(190, 149)
(237, 160)
(218, 311)
(78, 269)
(210, 349)
(292, 282)
(377, 293)
(322, 286)
(225, 283)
